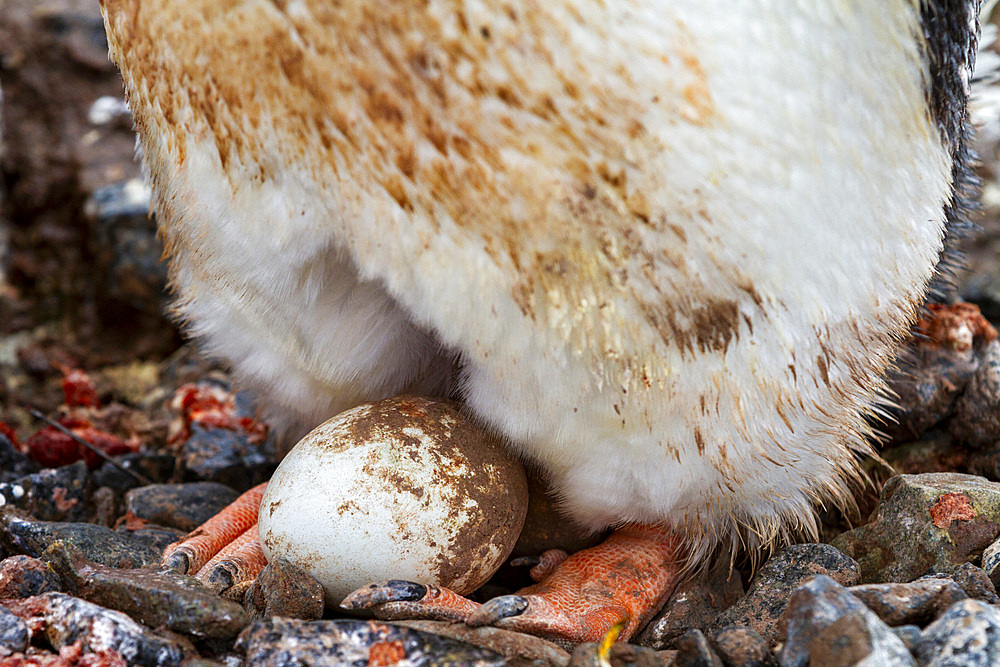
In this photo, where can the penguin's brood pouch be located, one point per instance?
(675, 245)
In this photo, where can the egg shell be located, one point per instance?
(404, 488)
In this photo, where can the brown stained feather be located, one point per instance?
(418, 118)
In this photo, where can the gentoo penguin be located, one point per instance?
(667, 248)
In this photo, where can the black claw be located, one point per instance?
(496, 609)
(178, 562)
(525, 561)
(406, 591)
(222, 577)
(394, 590)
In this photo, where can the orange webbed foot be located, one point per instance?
(622, 580)
(225, 550)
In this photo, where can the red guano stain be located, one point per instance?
(955, 326)
(952, 507)
(385, 654)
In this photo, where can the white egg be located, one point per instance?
(405, 488)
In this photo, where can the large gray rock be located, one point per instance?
(967, 635)
(764, 603)
(925, 523)
(916, 603)
(826, 625)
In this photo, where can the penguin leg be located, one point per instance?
(225, 550)
(625, 579)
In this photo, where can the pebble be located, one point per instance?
(13, 463)
(153, 537)
(182, 506)
(129, 253)
(918, 602)
(546, 526)
(826, 625)
(925, 523)
(283, 642)
(53, 494)
(976, 583)
(99, 544)
(693, 650)
(975, 420)
(991, 562)
(985, 462)
(157, 599)
(14, 633)
(966, 635)
(156, 467)
(926, 387)
(24, 576)
(66, 620)
(284, 589)
(695, 603)
(770, 590)
(856, 639)
(226, 456)
(742, 646)
(106, 506)
(517, 648)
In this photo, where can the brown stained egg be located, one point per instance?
(405, 488)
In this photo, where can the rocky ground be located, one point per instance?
(908, 579)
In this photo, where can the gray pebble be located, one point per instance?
(693, 650)
(518, 648)
(975, 420)
(695, 603)
(966, 635)
(991, 562)
(284, 589)
(54, 494)
(827, 625)
(769, 593)
(976, 583)
(227, 457)
(927, 386)
(24, 576)
(858, 639)
(157, 467)
(910, 636)
(14, 633)
(182, 506)
(740, 646)
(918, 602)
